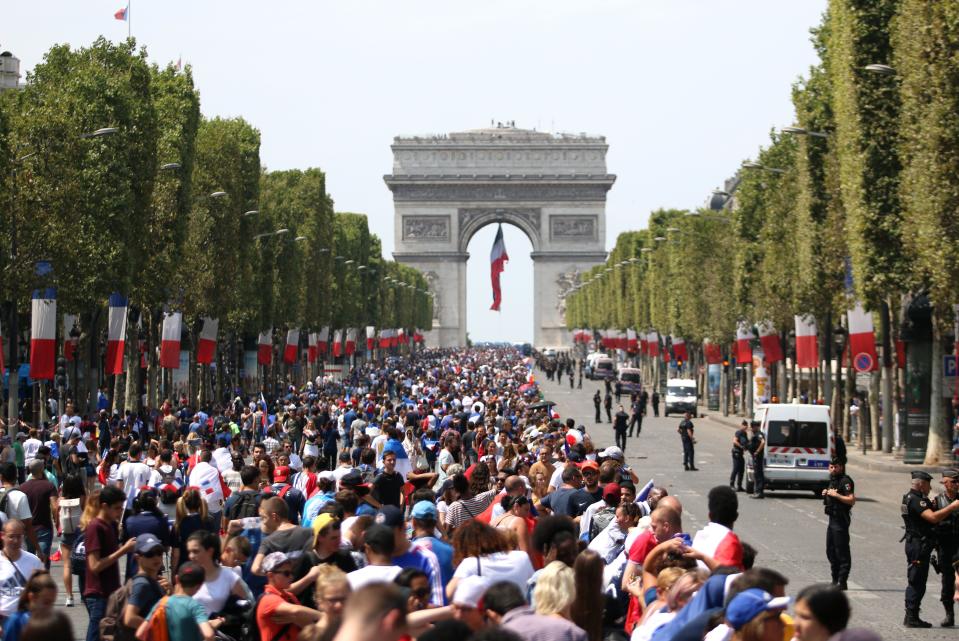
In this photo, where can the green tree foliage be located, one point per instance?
(85, 202)
(926, 43)
(867, 130)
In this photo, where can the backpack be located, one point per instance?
(78, 554)
(155, 628)
(600, 520)
(248, 504)
(70, 513)
(112, 627)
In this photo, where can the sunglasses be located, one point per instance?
(152, 554)
(421, 593)
(283, 572)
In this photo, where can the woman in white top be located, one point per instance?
(204, 548)
(482, 550)
(514, 522)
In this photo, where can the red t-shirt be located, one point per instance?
(272, 599)
(101, 537)
(642, 546)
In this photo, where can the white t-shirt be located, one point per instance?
(372, 574)
(12, 583)
(18, 507)
(513, 566)
(30, 447)
(133, 475)
(556, 480)
(213, 594)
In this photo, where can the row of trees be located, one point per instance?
(109, 173)
(858, 201)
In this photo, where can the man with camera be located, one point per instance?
(839, 498)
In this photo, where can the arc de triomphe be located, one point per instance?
(552, 186)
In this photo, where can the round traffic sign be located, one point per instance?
(862, 362)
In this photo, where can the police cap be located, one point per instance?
(950, 474)
(923, 476)
(836, 461)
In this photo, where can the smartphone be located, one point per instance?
(251, 522)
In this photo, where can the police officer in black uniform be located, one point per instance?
(740, 443)
(757, 449)
(947, 535)
(686, 433)
(839, 498)
(598, 403)
(921, 517)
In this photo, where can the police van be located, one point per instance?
(799, 446)
(630, 380)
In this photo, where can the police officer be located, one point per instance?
(598, 403)
(740, 443)
(757, 449)
(839, 498)
(947, 535)
(685, 430)
(920, 517)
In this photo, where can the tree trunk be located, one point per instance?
(874, 414)
(940, 438)
(826, 357)
(847, 396)
(132, 357)
(888, 352)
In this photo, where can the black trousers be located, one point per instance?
(621, 439)
(758, 476)
(655, 409)
(609, 414)
(599, 418)
(739, 468)
(688, 453)
(837, 548)
(637, 420)
(917, 572)
(946, 551)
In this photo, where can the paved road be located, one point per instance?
(788, 528)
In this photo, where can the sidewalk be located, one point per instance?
(873, 461)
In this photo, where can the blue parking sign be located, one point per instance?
(949, 365)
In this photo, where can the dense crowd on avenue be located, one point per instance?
(432, 497)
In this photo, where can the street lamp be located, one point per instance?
(646, 250)
(672, 229)
(100, 133)
(659, 239)
(883, 70)
(252, 212)
(170, 166)
(349, 262)
(218, 194)
(801, 131)
(299, 238)
(755, 165)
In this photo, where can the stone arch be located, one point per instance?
(527, 219)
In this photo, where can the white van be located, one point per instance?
(799, 446)
(599, 366)
(680, 396)
(630, 380)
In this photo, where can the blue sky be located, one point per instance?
(684, 90)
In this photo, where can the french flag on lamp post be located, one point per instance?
(679, 348)
(43, 334)
(744, 348)
(351, 341)
(170, 340)
(862, 340)
(807, 348)
(497, 263)
(311, 350)
(69, 342)
(769, 339)
(323, 340)
(337, 343)
(653, 343)
(370, 338)
(632, 343)
(206, 345)
(292, 345)
(116, 333)
(264, 347)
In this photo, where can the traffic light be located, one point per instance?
(679, 363)
(725, 364)
(61, 375)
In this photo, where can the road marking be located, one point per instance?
(859, 592)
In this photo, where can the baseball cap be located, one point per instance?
(748, 604)
(327, 475)
(390, 516)
(424, 511)
(611, 490)
(378, 535)
(612, 452)
(589, 465)
(146, 543)
(470, 590)
(281, 474)
(321, 521)
(273, 560)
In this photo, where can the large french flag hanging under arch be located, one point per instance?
(43, 334)
(497, 262)
(170, 340)
(116, 333)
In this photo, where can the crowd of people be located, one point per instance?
(433, 497)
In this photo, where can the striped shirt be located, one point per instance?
(463, 510)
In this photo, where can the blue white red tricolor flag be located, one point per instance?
(116, 333)
(206, 345)
(121, 14)
(43, 334)
(170, 340)
(497, 262)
